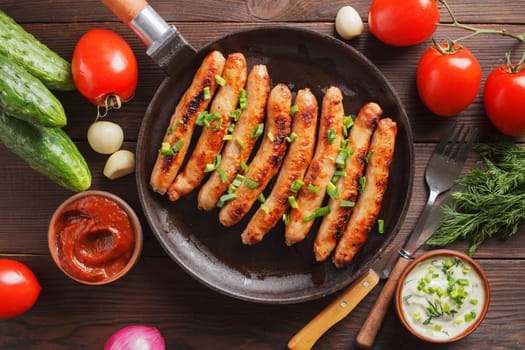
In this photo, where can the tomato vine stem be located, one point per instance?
(477, 31)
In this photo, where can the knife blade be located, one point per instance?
(352, 296)
(165, 45)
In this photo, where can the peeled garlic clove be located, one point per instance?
(348, 23)
(105, 137)
(119, 164)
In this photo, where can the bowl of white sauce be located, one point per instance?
(442, 296)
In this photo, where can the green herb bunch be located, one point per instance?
(492, 201)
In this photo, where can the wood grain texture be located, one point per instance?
(158, 292)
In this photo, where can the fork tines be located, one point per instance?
(457, 141)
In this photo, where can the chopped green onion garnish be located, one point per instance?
(381, 226)
(227, 137)
(240, 143)
(206, 93)
(244, 166)
(331, 189)
(212, 166)
(362, 183)
(293, 202)
(474, 301)
(171, 129)
(261, 198)
(294, 109)
(257, 131)
(348, 122)
(317, 213)
(231, 188)
(226, 198)
(286, 218)
(313, 188)
(209, 118)
(237, 181)
(367, 159)
(242, 99)
(292, 137)
(270, 136)
(347, 204)
(165, 149)
(220, 80)
(235, 114)
(222, 175)
(470, 316)
(265, 208)
(251, 184)
(340, 160)
(296, 186)
(331, 136)
(177, 146)
(200, 118)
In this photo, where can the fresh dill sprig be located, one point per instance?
(492, 201)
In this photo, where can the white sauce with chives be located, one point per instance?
(442, 297)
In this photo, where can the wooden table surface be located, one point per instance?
(157, 291)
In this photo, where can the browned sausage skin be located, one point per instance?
(268, 159)
(211, 139)
(179, 132)
(321, 169)
(299, 155)
(368, 204)
(237, 150)
(341, 204)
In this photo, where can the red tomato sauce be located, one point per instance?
(94, 238)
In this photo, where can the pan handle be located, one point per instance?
(141, 18)
(166, 46)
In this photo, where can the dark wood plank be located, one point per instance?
(399, 66)
(84, 317)
(478, 11)
(30, 199)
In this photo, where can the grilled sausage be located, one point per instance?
(238, 149)
(268, 159)
(321, 169)
(211, 139)
(369, 201)
(299, 155)
(341, 206)
(179, 132)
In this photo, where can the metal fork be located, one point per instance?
(441, 172)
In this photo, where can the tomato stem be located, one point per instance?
(476, 31)
(110, 102)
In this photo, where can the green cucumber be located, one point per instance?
(49, 151)
(25, 97)
(22, 47)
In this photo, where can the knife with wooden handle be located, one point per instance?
(334, 313)
(390, 267)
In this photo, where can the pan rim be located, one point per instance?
(191, 269)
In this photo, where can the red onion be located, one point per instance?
(136, 338)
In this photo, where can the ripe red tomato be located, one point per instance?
(403, 22)
(447, 83)
(504, 98)
(19, 288)
(104, 65)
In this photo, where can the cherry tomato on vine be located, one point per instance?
(504, 98)
(448, 79)
(104, 67)
(403, 22)
(19, 288)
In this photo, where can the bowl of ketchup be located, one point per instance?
(95, 237)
